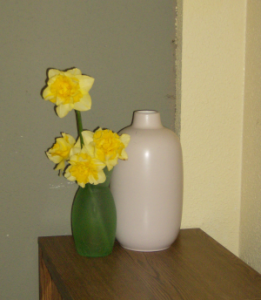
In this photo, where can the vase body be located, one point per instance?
(94, 220)
(148, 187)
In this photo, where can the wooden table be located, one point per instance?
(196, 267)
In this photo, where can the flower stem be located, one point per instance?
(79, 125)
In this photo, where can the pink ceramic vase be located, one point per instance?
(147, 188)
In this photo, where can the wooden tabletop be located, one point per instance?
(196, 267)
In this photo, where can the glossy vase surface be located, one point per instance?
(94, 220)
(148, 187)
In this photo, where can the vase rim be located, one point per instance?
(146, 111)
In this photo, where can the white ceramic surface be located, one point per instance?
(147, 188)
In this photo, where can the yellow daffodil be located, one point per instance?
(68, 90)
(108, 146)
(60, 152)
(85, 169)
(92, 152)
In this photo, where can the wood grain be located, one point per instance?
(195, 267)
(48, 289)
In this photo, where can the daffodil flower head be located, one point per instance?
(85, 169)
(68, 90)
(109, 146)
(59, 153)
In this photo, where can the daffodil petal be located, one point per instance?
(60, 166)
(101, 178)
(86, 82)
(69, 138)
(53, 72)
(75, 150)
(68, 176)
(75, 72)
(84, 104)
(47, 95)
(99, 154)
(81, 184)
(87, 136)
(123, 155)
(78, 144)
(90, 149)
(125, 138)
(111, 163)
(59, 101)
(99, 164)
(56, 159)
(62, 110)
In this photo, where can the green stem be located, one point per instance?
(79, 124)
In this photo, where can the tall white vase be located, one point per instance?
(147, 188)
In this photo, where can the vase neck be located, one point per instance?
(146, 119)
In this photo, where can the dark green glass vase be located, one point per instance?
(94, 219)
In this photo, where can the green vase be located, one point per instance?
(94, 219)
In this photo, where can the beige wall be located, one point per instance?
(211, 116)
(220, 122)
(250, 229)
(127, 46)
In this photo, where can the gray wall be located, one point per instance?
(127, 47)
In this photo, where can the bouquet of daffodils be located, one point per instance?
(83, 160)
